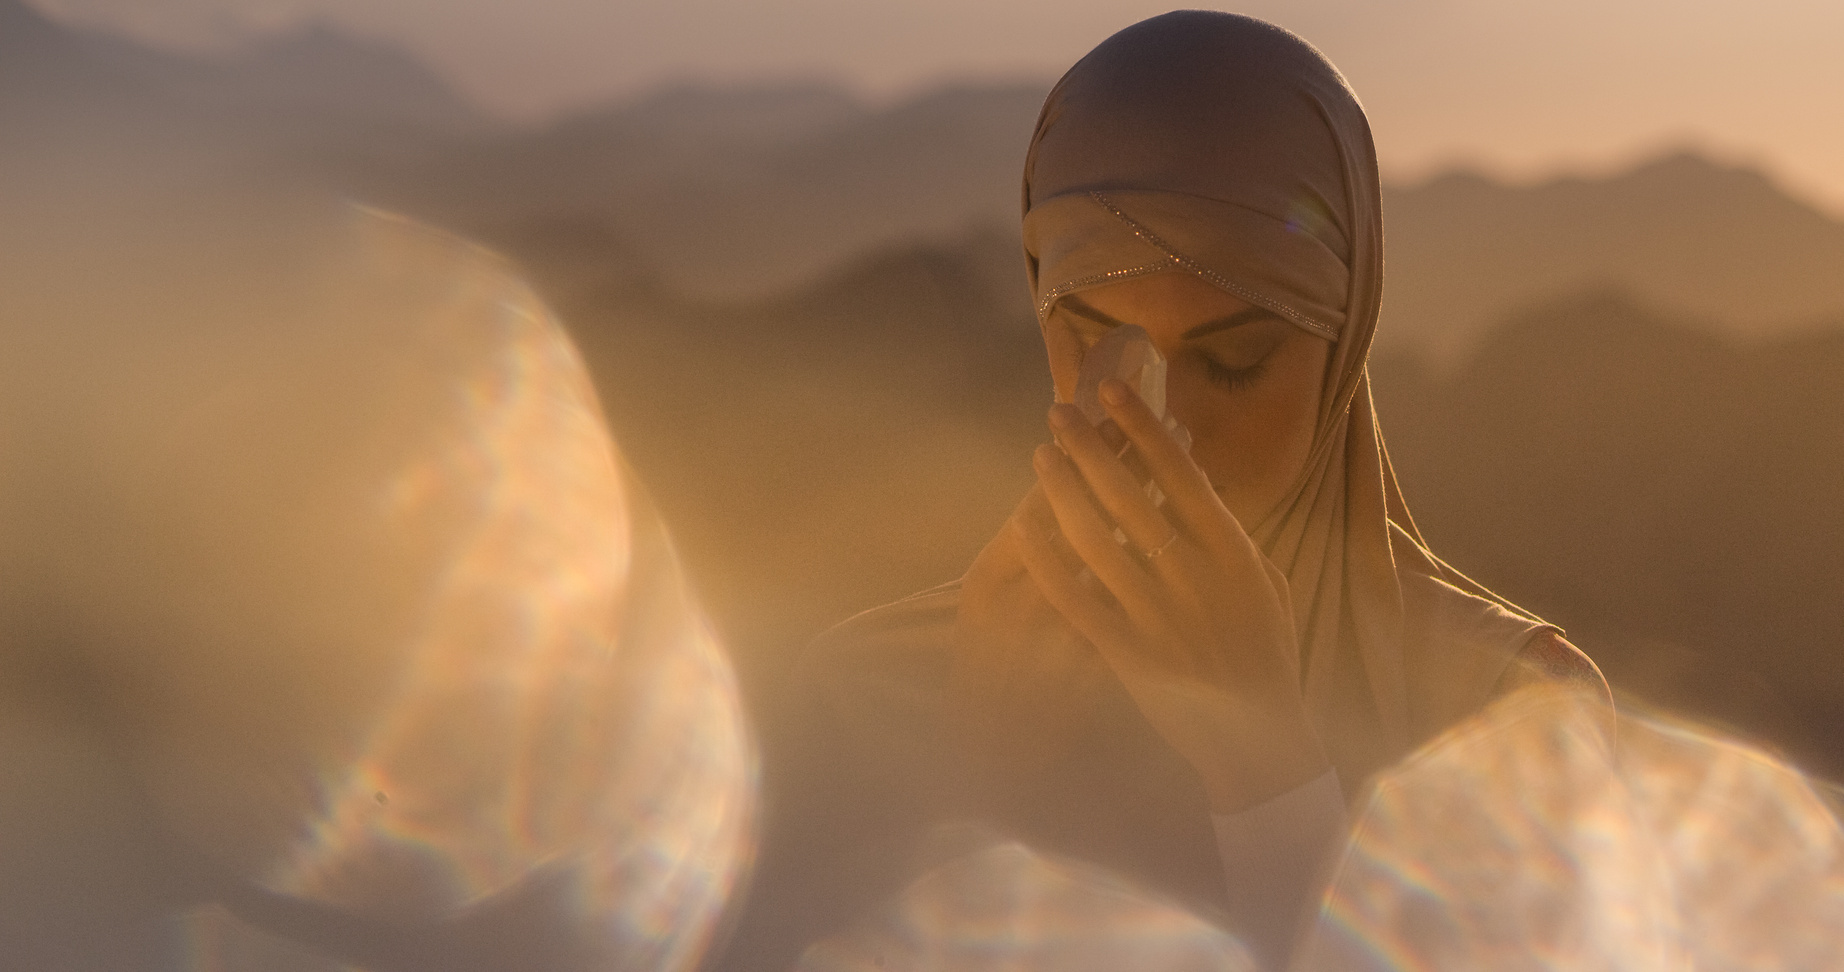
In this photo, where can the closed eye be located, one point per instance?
(1232, 379)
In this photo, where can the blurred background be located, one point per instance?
(786, 236)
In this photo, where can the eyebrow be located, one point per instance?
(1239, 318)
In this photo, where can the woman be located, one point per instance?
(1192, 707)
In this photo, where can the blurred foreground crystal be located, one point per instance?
(1009, 909)
(1546, 835)
(323, 502)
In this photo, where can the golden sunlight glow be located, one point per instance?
(323, 504)
(1009, 908)
(563, 701)
(1543, 835)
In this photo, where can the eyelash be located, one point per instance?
(1230, 379)
(1234, 378)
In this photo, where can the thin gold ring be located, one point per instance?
(1156, 551)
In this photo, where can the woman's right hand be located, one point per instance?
(1022, 680)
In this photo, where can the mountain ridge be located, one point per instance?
(1680, 231)
(744, 191)
(345, 84)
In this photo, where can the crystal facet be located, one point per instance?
(1125, 352)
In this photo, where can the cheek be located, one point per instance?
(1238, 440)
(1253, 441)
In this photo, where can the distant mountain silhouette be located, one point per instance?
(695, 122)
(311, 88)
(742, 192)
(732, 213)
(1680, 232)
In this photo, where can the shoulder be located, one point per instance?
(1465, 647)
(1549, 659)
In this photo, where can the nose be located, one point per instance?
(1185, 383)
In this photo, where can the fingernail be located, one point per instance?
(1114, 391)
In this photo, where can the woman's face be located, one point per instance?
(1245, 382)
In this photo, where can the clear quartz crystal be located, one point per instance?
(1126, 352)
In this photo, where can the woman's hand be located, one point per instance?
(1190, 615)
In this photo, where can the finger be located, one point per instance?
(1115, 438)
(1102, 623)
(1058, 577)
(1123, 450)
(1129, 456)
(1193, 501)
(1039, 525)
(1037, 516)
(1089, 534)
(1115, 487)
(1040, 521)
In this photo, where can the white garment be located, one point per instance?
(1276, 856)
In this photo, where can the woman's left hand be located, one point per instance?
(1190, 615)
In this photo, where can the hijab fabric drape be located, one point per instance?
(1225, 147)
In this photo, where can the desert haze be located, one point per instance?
(1614, 400)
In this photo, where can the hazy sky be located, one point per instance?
(1523, 87)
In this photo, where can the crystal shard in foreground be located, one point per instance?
(385, 636)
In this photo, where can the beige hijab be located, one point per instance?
(1226, 147)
